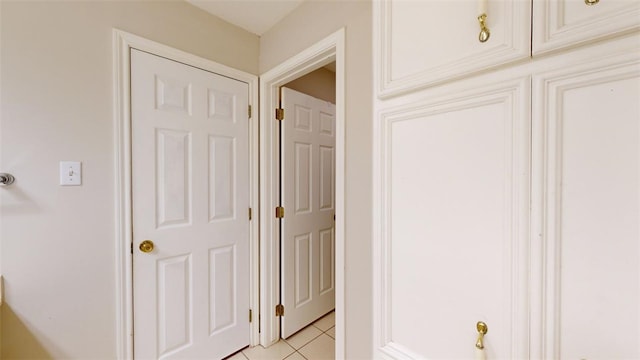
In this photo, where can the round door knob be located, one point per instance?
(146, 246)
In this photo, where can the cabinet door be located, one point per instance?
(563, 23)
(452, 196)
(423, 43)
(587, 210)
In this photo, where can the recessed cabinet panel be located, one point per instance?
(591, 206)
(453, 245)
(562, 23)
(423, 43)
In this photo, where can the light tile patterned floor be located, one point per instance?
(315, 342)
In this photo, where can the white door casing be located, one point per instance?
(190, 186)
(325, 51)
(308, 190)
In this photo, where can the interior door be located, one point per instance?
(190, 199)
(308, 190)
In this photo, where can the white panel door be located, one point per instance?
(454, 201)
(308, 189)
(587, 206)
(190, 197)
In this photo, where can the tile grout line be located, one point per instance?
(303, 345)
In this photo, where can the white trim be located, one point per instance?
(331, 48)
(122, 43)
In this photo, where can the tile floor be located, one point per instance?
(315, 342)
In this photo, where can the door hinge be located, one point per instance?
(132, 248)
(279, 212)
(250, 214)
(249, 111)
(279, 114)
(250, 315)
(279, 310)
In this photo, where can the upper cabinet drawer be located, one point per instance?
(424, 43)
(563, 23)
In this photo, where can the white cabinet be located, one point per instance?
(454, 214)
(420, 44)
(423, 43)
(508, 195)
(568, 23)
(586, 207)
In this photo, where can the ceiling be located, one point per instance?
(256, 16)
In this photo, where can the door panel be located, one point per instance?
(308, 245)
(174, 303)
(190, 178)
(455, 177)
(222, 160)
(589, 208)
(173, 197)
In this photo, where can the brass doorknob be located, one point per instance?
(146, 246)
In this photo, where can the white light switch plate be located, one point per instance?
(70, 173)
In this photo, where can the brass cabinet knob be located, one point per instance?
(591, 2)
(146, 246)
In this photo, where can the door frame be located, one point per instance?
(327, 50)
(122, 43)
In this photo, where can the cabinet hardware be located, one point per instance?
(482, 330)
(484, 30)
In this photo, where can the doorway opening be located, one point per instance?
(323, 54)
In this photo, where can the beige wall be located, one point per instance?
(57, 243)
(308, 24)
(320, 84)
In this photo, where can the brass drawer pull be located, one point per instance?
(482, 331)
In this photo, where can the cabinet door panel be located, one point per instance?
(423, 43)
(454, 202)
(588, 206)
(563, 23)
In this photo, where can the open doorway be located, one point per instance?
(319, 56)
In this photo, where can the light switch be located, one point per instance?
(70, 173)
